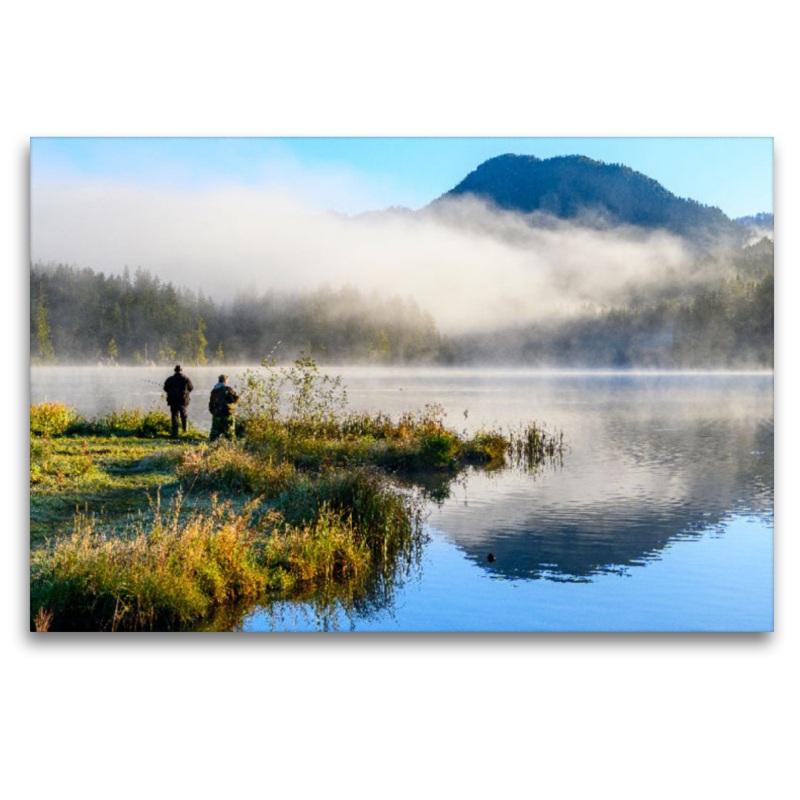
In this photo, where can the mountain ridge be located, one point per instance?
(579, 188)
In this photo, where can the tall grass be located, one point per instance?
(163, 576)
(412, 442)
(177, 569)
(145, 424)
(56, 419)
(229, 467)
(327, 550)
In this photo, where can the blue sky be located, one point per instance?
(351, 175)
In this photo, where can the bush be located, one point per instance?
(305, 402)
(437, 449)
(51, 419)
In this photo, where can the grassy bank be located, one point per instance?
(133, 531)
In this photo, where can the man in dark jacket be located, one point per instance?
(177, 387)
(222, 404)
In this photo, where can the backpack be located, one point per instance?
(219, 403)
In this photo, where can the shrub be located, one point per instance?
(304, 401)
(437, 449)
(487, 447)
(51, 419)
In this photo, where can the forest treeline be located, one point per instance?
(78, 315)
(725, 321)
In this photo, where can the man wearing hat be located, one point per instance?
(177, 387)
(222, 406)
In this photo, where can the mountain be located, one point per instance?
(760, 222)
(579, 188)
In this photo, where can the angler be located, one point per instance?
(222, 405)
(178, 388)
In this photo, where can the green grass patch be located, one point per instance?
(106, 475)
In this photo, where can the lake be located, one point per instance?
(660, 517)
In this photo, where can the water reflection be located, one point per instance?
(627, 492)
(333, 606)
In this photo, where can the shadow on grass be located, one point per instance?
(53, 515)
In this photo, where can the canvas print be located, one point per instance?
(399, 384)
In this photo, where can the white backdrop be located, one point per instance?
(396, 716)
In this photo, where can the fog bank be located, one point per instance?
(472, 267)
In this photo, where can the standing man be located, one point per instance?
(178, 387)
(222, 406)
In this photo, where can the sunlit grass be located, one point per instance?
(175, 570)
(108, 474)
(164, 575)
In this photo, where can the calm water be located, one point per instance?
(661, 517)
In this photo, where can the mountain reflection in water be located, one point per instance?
(630, 486)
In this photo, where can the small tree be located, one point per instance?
(43, 342)
(194, 344)
(297, 396)
(166, 354)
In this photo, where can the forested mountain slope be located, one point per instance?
(579, 188)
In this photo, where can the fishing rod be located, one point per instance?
(267, 361)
